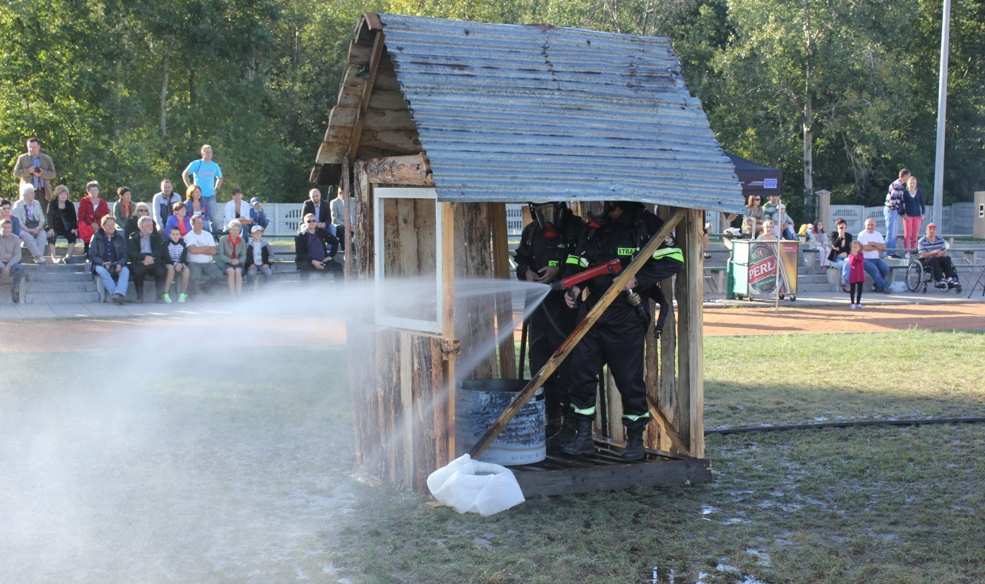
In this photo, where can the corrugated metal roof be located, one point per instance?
(515, 113)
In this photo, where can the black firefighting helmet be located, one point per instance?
(546, 214)
(629, 208)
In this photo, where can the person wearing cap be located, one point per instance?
(257, 215)
(933, 255)
(257, 258)
(92, 209)
(238, 210)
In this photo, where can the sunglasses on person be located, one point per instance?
(311, 221)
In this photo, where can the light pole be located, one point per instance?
(941, 117)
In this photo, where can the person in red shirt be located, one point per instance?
(92, 209)
(856, 274)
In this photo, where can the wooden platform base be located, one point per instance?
(605, 470)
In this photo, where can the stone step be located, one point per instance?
(33, 297)
(74, 285)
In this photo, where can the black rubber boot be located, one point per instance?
(580, 442)
(634, 439)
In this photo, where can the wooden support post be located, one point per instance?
(407, 423)
(411, 170)
(376, 55)
(692, 337)
(562, 352)
(345, 185)
(504, 302)
(447, 316)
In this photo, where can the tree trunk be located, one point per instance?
(809, 210)
(164, 93)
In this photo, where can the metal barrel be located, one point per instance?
(479, 402)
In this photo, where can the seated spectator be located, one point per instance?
(33, 223)
(769, 232)
(823, 244)
(933, 254)
(258, 258)
(62, 222)
(92, 209)
(752, 220)
(775, 209)
(231, 257)
(162, 204)
(320, 209)
(199, 206)
(108, 259)
(841, 247)
(6, 212)
(257, 215)
(10, 258)
(238, 210)
(314, 249)
(872, 244)
(178, 220)
(174, 258)
(144, 250)
(139, 210)
(201, 251)
(124, 211)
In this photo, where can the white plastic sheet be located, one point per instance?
(473, 486)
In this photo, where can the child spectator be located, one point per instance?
(10, 258)
(174, 258)
(258, 258)
(92, 209)
(62, 222)
(178, 220)
(856, 274)
(257, 214)
(231, 257)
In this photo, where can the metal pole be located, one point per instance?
(941, 116)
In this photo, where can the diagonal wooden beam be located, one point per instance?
(666, 427)
(562, 352)
(374, 68)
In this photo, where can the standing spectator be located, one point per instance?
(872, 244)
(162, 204)
(201, 251)
(892, 209)
(92, 209)
(10, 258)
(841, 246)
(338, 208)
(178, 220)
(752, 221)
(197, 206)
(933, 254)
(144, 251)
(320, 209)
(36, 169)
(856, 274)
(258, 258)
(108, 258)
(238, 210)
(913, 209)
(823, 244)
(62, 223)
(174, 258)
(231, 257)
(207, 175)
(314, 249)
(257, 215)
(123, 210)
(33, 222)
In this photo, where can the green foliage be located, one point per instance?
(126, 91)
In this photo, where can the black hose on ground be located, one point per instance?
(846, 424)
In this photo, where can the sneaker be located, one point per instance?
(15, 296)
(940, 285)
(182, 298)
(853, 306)
(118, 299)
(845, 289)
(166, 298)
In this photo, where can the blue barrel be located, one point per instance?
(479, 403)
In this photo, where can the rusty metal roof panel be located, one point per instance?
(516, 113)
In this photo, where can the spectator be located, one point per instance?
(178, 220)
(913, 209)
(933, 254)
(320, 209)
(33, 223)
(314, 249)
(36, 169)
(201, 251)
(124, 211)
(823, 244)
(892, 209)
(338, 208)
(174, 258)
(231, 257)
(238, 210)
(872, 243)
(140, 210)
(92, 209)
(162, 204)
(257, 214)
(144, 251)
(10, 258)
(856, 274)
(108, 258)
(841, 246)
(775, 209)
(752, 221)
(62, 223)
(207, 175)
(6, 212)
(258, 258)
(769, 232)
(197, 206)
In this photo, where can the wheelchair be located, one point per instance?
(919, 277)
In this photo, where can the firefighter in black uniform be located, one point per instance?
(618, 338)
(543, 256)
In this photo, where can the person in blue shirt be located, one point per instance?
(207, 175)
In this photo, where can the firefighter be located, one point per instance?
(619, 336)
(545, 246)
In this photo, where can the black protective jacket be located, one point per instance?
(538, 249)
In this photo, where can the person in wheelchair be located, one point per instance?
(933, 255)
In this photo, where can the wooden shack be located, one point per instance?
(437, 125)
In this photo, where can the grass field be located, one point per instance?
(191, 473)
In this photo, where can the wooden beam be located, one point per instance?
(543, 482)
(693, 336)
(374, 68)
(410, 170)
(562, 352)
(666, 427)
(386, 100)
(407, 422)
(345, 187)
(394, 119)
(393, 141)
(447, 259)
(504, 302)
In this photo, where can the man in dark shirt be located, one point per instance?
(841, 246)
(314, 249)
